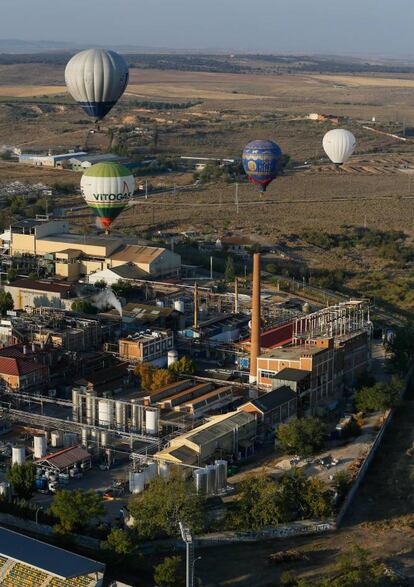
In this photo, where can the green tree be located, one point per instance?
(257, 504)
(76, 509)
(6, 302)
(119, 542)
(401, 347)
(185, 365)
(302, 436)
(229, 273)
(101, 284)
(158, 510)
(167, 573)
(11, 274)
(22, 477)
(84, 307)
(342, 482)
(379, 397)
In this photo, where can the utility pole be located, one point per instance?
(146, 189)
(211, 267)
(189, 551)
(237, 198)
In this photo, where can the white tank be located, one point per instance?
(211, 479)
(135, 416)
(150, 472)
(75, 405)
(200, 477)
(172, 357)
(164, 470)
(120, 415)
(221, 475)
(105, 412)
(18, 455)
(151, 421)
(84, 436)
(70, 439)
(136, 482)
(56, 438)
(105, 438)
(40, 446)
(94, 434)
(90, 408)
(179, 306)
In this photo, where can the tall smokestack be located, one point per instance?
(236, 296)
(255, 331)
(195, 306)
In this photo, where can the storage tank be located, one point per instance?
(40, 446)
(150, 472)
(136, 482)
(151, 421)
(200, 477)
(172, 357)
(120, 415)
(105, 412)
(56, 438)
(211, 479)
(179, 306)
(18, 455)
(105, 438)
(70, 439)
(221, 475)
(84, 436)
(164, 470)
(75, 405)
(135, 416)
(90, 408)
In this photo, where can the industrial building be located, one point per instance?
(32, 293)
(274, 407)
(73, 256)
(48, 160)
(28, 562)
(22, 369)
(151, 347)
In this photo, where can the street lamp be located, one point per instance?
(189, 551)
(37, 513)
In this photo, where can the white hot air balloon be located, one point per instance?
(96, 79)
(339, 144)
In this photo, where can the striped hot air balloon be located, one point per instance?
(107, 188)
(96, 79)
(261, 160)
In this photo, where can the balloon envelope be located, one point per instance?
(107, 188)
(339, 144)
(261, 160)
(96, 79)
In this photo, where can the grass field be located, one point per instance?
(30, 91)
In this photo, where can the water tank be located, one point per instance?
(151, 421)
(150, 472)
(84, 436)
(95, 434)
(136, 482)
(221, 475)
(40, 446)
(120, 415)
(75, 405)
(105, 438)
(90, 408)
(56, 438)
(172, 357)
(70, 439)
(164, 470)
(200, 477)
(211, 479)
(18, 455)
(105, 412)
(179, 306)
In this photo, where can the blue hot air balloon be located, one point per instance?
(261, 160)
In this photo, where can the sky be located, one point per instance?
(358, 27)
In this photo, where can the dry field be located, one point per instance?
(31, 91)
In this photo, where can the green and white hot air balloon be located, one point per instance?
(107, 188)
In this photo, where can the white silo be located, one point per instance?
(136, 482)
(84, 436)
(75, 405)
(221, 475)
(200, 477)
(18, 455)
(179, 306)
(56, 438)
(120, 415)
(172, 357)
(150, 471)
(211, 479)
(90, 408)
(40, 446)
(135, 415)
(164, 470)
(105, 438)
(151, 421)
(105, 412)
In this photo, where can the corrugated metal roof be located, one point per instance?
(213, 430)
(66, 458)
(138, 254)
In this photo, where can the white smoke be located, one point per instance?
(106, 298)
(98, 223)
